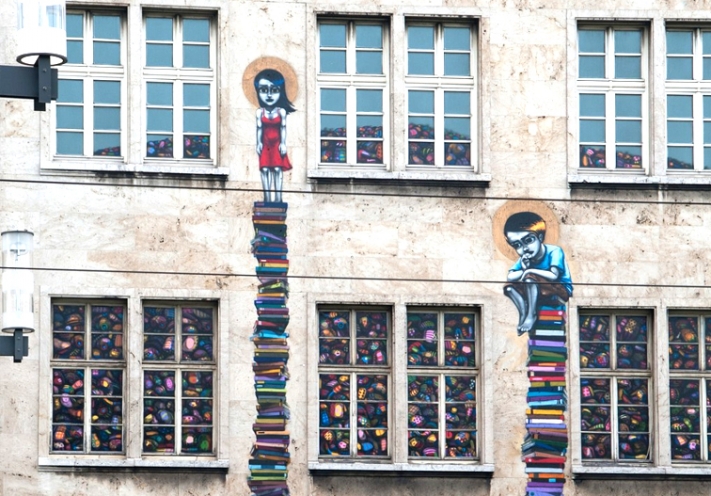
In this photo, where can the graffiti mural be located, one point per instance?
(539, 285)
(268, 88)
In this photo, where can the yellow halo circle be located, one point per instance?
(515, 206)
(256, 66)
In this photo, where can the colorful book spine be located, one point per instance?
(546, 442)
(268, 464)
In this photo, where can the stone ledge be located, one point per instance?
(98, 464)
(438, 177)
(424, 469)
(645, 472)
(608, 179)
(150, 168)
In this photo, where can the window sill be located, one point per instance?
(149, 168)
(95, 463)
(624, 179)
(439, 176)
(637, 472)
(424, 468)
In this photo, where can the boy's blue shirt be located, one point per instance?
(553, 257)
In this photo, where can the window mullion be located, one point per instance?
(697, 131)
(178, 124)
(610, 139)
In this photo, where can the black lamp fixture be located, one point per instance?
(41, 44)
(18, 287)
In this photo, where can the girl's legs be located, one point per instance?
(278, 181)
(266, 183)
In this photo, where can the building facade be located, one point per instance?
(375, 151)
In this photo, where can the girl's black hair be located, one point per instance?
(276, 79)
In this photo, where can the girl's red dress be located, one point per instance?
(271, 139)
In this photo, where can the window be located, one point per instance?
(442, 385)
(88, 370)
(612, 90)
(440, 96)
(94, 371)
(688, 88)
(615, 380)
(353, 92)
(178, 376)
(358, 376)
(92, 86)
(179, 86)
(173, 115)
(689, 386)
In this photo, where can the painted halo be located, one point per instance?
(256, 66)
(515, 206)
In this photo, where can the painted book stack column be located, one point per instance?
(546, 439)
(270, 453)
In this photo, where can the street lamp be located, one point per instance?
(41, 43)
(17, 293)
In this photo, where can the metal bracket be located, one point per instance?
(39, 83)
(16, 346)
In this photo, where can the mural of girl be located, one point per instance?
(271, 131)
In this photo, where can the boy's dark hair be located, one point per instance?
(525, 221)
(276, 78)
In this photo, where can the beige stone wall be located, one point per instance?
(344, 232)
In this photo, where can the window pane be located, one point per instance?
(706, 42)
(107, 92)
(707, 107)
(107, 53)
(707, 68)
(628, 131)
(591, 40)
(107, 27)
(107, 144)
(679, 68)
(107, 118)
(592, 131)
(457, 128)
(159, 28)
(628, 67)
(70, 143)
(456, 39)
(196, 95)
(369, 62)
(196, 146)
(196, 56)
(419, 123)
(456, 102)
(592, 105)
(333, 62)
(369, 36)
(628, 157)
(331, 124)
(421, 102)
(679, 42)
(75, 25)
(369, 100)
(680, 157)
(196, 121)
(628, 105)
(368, 121)
(628, 41)
(679, 106)
(707, 158)
(160, 94)
(159, 145)
(75, 52)
(196, 30)
(333, 100)
(160, 120)
(456, 64)
(707, 132)
(70, 117)
(332, 35)
(420, 37)
(70, 91)
(159, 55)
(679, 132)
(592, 66)
(420, 63)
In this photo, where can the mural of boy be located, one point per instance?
(541, 273)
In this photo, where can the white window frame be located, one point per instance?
(609, 86)
(439, 83)
(697, 88)
(398, 460)
(88, 73)
(179, 76)
(132, 456)
(351, 82)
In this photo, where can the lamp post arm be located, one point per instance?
(39, 83)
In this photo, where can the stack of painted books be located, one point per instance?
(546, 441)
(270, 453)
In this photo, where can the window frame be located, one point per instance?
(132, 457)
(439, 83)
(399, 462)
